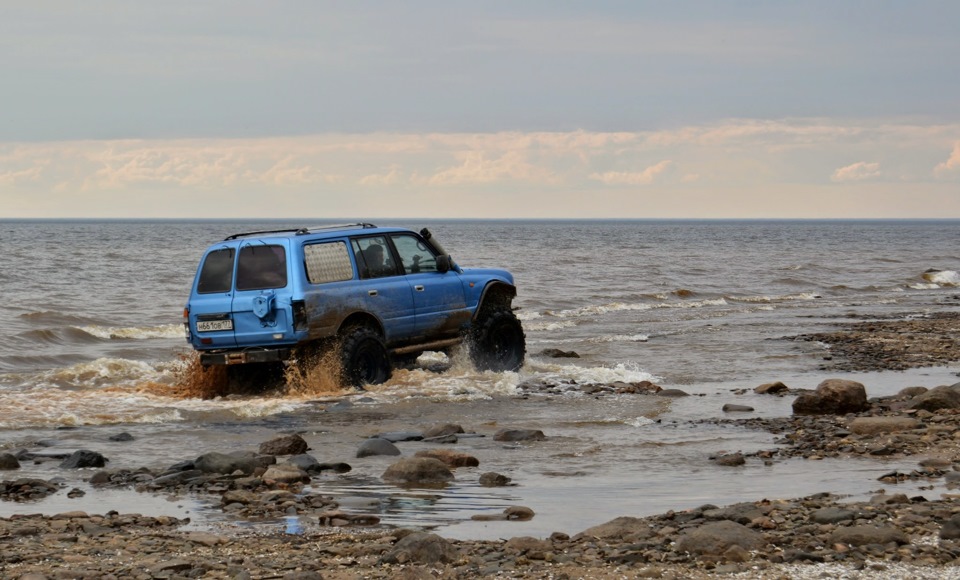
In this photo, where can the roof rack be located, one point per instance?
(300, 231)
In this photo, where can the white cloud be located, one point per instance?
(952, 164)
(645, 177)
(860, 171)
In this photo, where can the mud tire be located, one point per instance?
(363, 357)
(498, 343)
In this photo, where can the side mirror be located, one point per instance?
(444, 263)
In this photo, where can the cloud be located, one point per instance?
(860, 171)
(952, 164)
(645, 177)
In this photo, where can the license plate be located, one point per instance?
(214, 325)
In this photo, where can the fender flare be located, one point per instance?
(494, 291)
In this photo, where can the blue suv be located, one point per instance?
(373, 297)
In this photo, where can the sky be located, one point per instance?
(492, 109)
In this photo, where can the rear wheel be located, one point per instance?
(363, 357)
(498, 343)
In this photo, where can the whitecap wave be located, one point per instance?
(549, 326)
(939, 279)
(613, 307)
(781, 298)
(145, 332)
(619, 338)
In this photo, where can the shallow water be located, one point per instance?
(94, 343)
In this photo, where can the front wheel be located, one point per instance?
(363, 357)
(498, 343)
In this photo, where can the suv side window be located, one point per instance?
(415, 256)
(261, 267)
(216, 275)
(374, 259)
(327, 262)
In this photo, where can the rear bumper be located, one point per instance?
(241, 357)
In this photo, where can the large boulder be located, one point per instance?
(833, 397)
(944, 397)
(84, 458)
(514, 435)
(284, 445)
(9, 461)
(421, 548)
(214, 462)
(864, 535)
(716, 538)
(376, 446)
(624, 528)
(418, 471)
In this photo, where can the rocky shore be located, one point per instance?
(890, 535)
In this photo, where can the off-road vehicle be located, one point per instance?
(369, 297)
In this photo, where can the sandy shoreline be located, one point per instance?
(891, 535)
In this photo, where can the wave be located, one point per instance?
(54, 317)
(939, 279)
(550, 326)
(600, 309)
(140, 332)
(780, 298)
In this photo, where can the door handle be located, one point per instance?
(418, 288)
(372, 292)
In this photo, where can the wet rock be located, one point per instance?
(284, 473)
(215, 462)
(557, 353)
(335, 466)
(832, 515)
(442, 430)
(731, 408)
(524, 544)
(910, 392)
(421, 548)
(450, 457)
(26, 489)
(9, 461)
(771, 388)
(121, 437)
(284, 445)
(674, 393)
(730, 460)
(951, 529)
(337, 518)
(176, 478)
(514, 513)
(84, 458)
(878, 425)
(241, 496)
(377, 446)
(864, 535)
(938, 398)
(518, 513)
(717, 538)
(833, 397)
(624, 528)
(514, 435)
(742, 513)
(492, 479)
(442, 439)
(400, 436)
(418, 471)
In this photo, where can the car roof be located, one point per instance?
(335, 230)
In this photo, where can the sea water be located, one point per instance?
(93, 342)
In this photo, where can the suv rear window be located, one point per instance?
(261, 267)
(217, 272)
(327, 262)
